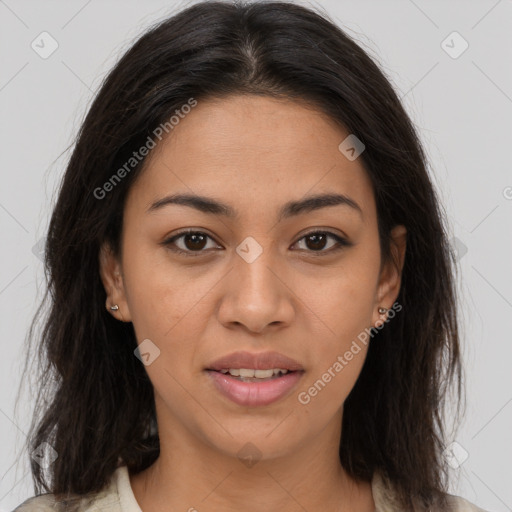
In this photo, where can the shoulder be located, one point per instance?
(459, 504)
(48, 503)
(107, 500)
(385, 498)
(41, 503)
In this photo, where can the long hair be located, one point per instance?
(95, 404)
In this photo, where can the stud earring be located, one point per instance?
(115, 307)
(383, 310)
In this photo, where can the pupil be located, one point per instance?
(197, 241)
(318, 239)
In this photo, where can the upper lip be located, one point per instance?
(258, 361)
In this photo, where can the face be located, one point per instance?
(257, 275)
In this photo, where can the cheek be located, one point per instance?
(339, 358)
(169, 304)
(341, 346)
(344, 304)
(344, 300)
(158, 295)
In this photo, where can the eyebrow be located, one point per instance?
(290, 209)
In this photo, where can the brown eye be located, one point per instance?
(194, 241)
(317, 241)
(189, 243)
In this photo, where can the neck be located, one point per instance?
(195, 476)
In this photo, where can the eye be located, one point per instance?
(191, 242)
(316, 241)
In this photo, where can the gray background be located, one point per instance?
(462, 107)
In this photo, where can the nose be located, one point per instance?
(257, 296)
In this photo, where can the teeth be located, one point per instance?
(250, 373)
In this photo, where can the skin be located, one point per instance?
(255, 154)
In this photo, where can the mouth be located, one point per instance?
(249, 387)
(251, 375)
(254, 379)
(249, 361)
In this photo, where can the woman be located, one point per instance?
(252, 293)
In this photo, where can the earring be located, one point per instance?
(115, 307)
(383, 310)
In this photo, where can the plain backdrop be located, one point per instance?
(450, 61)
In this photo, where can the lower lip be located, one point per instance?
(254, 393)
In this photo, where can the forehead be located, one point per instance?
(251, 151)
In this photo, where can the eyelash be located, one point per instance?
(342, 242)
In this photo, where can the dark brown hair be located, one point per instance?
(95, 401)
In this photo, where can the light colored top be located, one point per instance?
(118, 496)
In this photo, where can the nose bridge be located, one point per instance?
(252, 269)
(256, 296)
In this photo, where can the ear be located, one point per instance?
(391, 273)
(112, 278)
